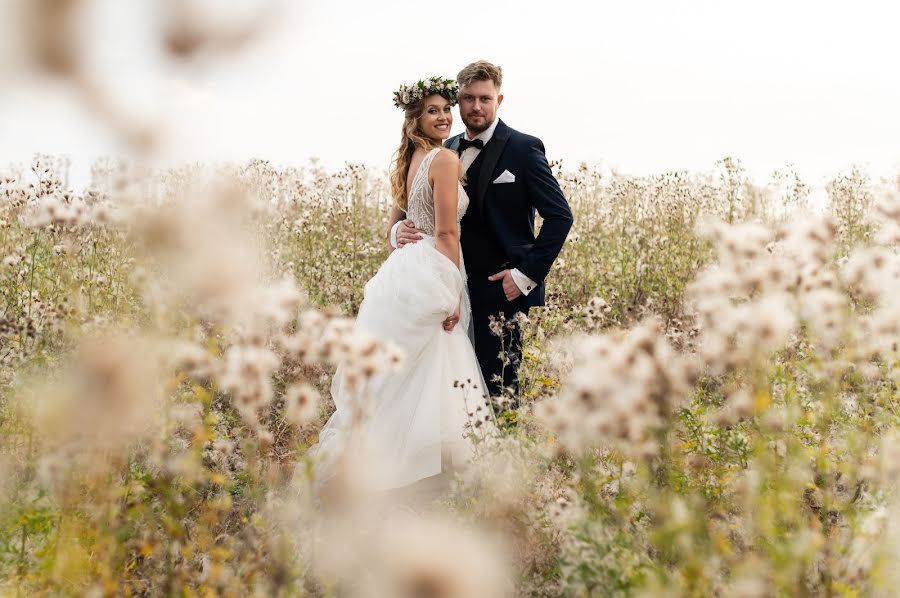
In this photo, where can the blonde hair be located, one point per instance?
(411, 137)
(481, 70)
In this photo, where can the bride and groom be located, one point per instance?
(463, 250)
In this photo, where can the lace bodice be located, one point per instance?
(420, 209)
(420, 205)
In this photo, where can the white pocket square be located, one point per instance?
(506, 177)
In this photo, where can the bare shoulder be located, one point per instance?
(444, 166)
(446, 158)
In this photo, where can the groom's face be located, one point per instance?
(478, 103)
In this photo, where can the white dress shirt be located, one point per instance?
(525, 284)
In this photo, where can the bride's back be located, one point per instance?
(420, 201)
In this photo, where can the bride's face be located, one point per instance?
(437, 118)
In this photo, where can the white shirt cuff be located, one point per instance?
(393, 239)
(525, 284)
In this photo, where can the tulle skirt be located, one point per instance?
(418, 413)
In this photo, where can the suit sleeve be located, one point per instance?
(547, 197)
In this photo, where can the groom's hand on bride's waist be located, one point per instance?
(406, 232)
(510, 288)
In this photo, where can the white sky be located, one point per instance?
(645, 86)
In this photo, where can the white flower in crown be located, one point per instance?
(407, 94)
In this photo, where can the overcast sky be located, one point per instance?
(644, 86)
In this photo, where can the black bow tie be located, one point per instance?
(464, 144)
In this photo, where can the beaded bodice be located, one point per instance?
(420, 204)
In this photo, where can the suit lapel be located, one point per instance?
(492, 152)
(453, 142)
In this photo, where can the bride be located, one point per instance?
(415, 421)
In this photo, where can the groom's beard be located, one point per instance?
(477, 128)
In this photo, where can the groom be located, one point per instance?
(507, 180)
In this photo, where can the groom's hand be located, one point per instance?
(407, 233)
(510, 289)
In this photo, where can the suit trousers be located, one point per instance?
(498, 356)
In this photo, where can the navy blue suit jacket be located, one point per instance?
(507, 210)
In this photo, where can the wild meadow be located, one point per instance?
(708, 402)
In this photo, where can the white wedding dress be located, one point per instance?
(418, 413)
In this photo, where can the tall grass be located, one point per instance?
(708, 399)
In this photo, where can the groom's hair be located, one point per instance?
(481, 70)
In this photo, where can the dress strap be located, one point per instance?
(429, 158)
(424, 167)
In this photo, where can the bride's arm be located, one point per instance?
(444, 175)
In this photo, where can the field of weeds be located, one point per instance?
(708, 402)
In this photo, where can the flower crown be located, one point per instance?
(410, 94)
